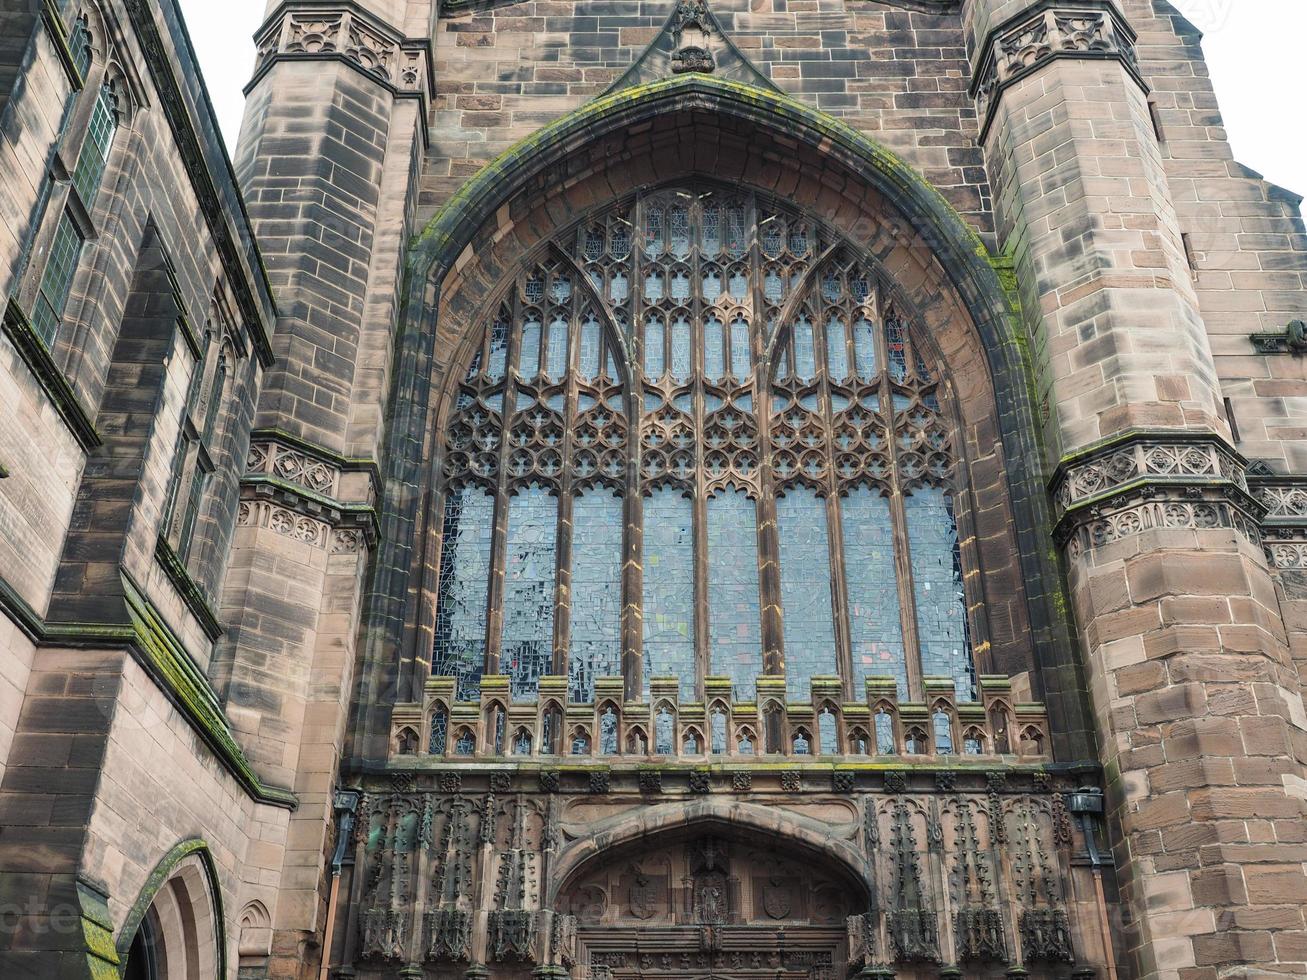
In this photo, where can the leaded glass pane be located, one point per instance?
(595, 649)
(526, 649)
(884, 733)
(837, 355)
(460, 643)
(556, 356)
(669, 588)
(608, 732)
(718, 731)
(741, 356)
(734, 628)
(805, 360)
(57, 278)
(896, 341)
(827, 732)
(875, 627)
(864, 348)
(496, 364)
(664, 732)
(79, 43)
(937, 583)
(805, 590)
(681, 353)
(588, 356)
(714, 349)
(95, 150)
(528, 355)
(653, 348)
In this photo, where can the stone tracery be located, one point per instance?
(739, 390)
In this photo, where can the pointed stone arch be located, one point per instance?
(645, 828)
(560, 171)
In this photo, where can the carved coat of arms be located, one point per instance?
(644, 896)
(776, 900)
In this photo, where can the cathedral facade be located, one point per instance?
(647, 490)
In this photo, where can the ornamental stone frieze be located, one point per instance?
(1148, 481)
(990, 875)
(309, 494)
(1022, 45)
(343, 32)
(1285, 524)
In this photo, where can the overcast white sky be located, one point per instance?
(1254, 47)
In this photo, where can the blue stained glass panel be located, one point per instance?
(805, 360)
(875, 629)
(526, 650)
(896, 341)
(681, 353)
(669, 589)
(528, 355)
(460, 644)
(864, 348)
(714, 349)
(937, 582)
(595, 649)
(837, 354)
(556, 352)
(498, 350)
(734, 616)
(741, 355)
(588, 359)
(653, 348)
(809, 624)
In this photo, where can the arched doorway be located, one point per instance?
(174, 931)
(710, 901)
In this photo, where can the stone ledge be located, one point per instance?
(187, 588)
(148, 639)
(18, 328)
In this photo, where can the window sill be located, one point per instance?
(189, 589)
(37, 357)
(54, 23)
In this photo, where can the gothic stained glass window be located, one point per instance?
(805, 590)
(464, 577)
(527, 646)
(740, 397)
(669, 588)
(876, 627)
(734, 618)
(596, 611)
(937, 583)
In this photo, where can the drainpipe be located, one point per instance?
(347, 801)
(1086, 804)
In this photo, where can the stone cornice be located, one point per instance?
(1045, 32)
(1143, 480)
(235, 246)
(1285, 526)
(340, 30)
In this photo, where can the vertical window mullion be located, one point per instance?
(499, 534)
(898, 512)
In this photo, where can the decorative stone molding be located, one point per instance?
(1285, 524)
(874, 729)
(1146, 481)
(343, 32)
(1024, 44)
(259, 513)
(319, 489)
(1292, 340)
